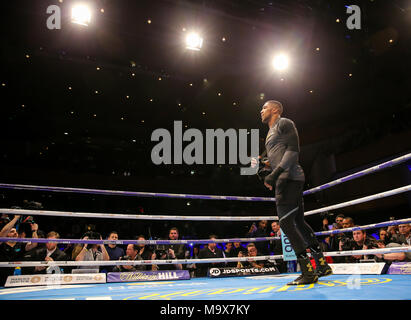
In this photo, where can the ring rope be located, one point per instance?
(368, 226)
(359, 174)
(130, 216)
(205, 197)
(147, 242)
(361, 200)
(190, 261)
(199, 218)
(200, 241)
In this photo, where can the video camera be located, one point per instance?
(160, 250)
(92, 235)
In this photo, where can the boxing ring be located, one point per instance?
(260, 287)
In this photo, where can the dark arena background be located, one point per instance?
(80, 103)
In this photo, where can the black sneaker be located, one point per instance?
(308, 274)
(324, 271)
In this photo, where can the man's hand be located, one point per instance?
(171, 253)
(271, 179)
(48, 259)
(253, 228)
(34, 227)
(85, 245)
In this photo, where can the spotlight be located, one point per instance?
(81, 14)
(280, 62)
(194, 42)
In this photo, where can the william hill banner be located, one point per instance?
(237, 272)
(148, 276)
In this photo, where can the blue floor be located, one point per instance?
(335, 287)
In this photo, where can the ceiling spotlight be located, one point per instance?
(81, 14)
(338, 20)
(318, 49)
(149, 21)
(280, 62)
(223, 39)
(102, 10)
(390, 41)
(194, 42)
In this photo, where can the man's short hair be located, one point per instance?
(340, 216)
(173, 228)
(212, 236)
(349, 219)
(250, 245)
(278, 104)
(53, 234)
(115, 232)
(141, 236)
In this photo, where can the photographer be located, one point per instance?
(132, 253)
(360, 241)
(169, 252)
(11, 250)
(97, 252)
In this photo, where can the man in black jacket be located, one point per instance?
(48, 253)
(210, 251)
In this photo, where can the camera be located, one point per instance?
(346, 243)
(92, 235)
(160, 250)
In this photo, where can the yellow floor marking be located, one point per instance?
(267, 289)
(145, 297)
(328, 284)
(217, 292)
(235, 290)
(144, 283)
(303, 287)
(192, 293)
(170, 294)
(284, 288)
(252, 290)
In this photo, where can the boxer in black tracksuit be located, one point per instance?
(284, 173)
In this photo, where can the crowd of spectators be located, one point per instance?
(17, 227)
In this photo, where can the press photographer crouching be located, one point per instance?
(132, 253)
(90, 252)
(360, 241)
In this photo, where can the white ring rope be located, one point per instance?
(130, 216)
(198, 218)
(190, 261)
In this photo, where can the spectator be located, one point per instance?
(394, 256)
(393, 232)
(404, 236)
(96, 252)
(360, 242)
(144, 252)
(132, 253)
(114, 251)
(48, 253)
(11, 250)
(210, 251)
(192, 267)
(348, 222)
(338, 221)
(167, 252)
(257, 232)
(229, 252)
(384, 236)
(276, 246)
(252, 251)
(237, 248)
